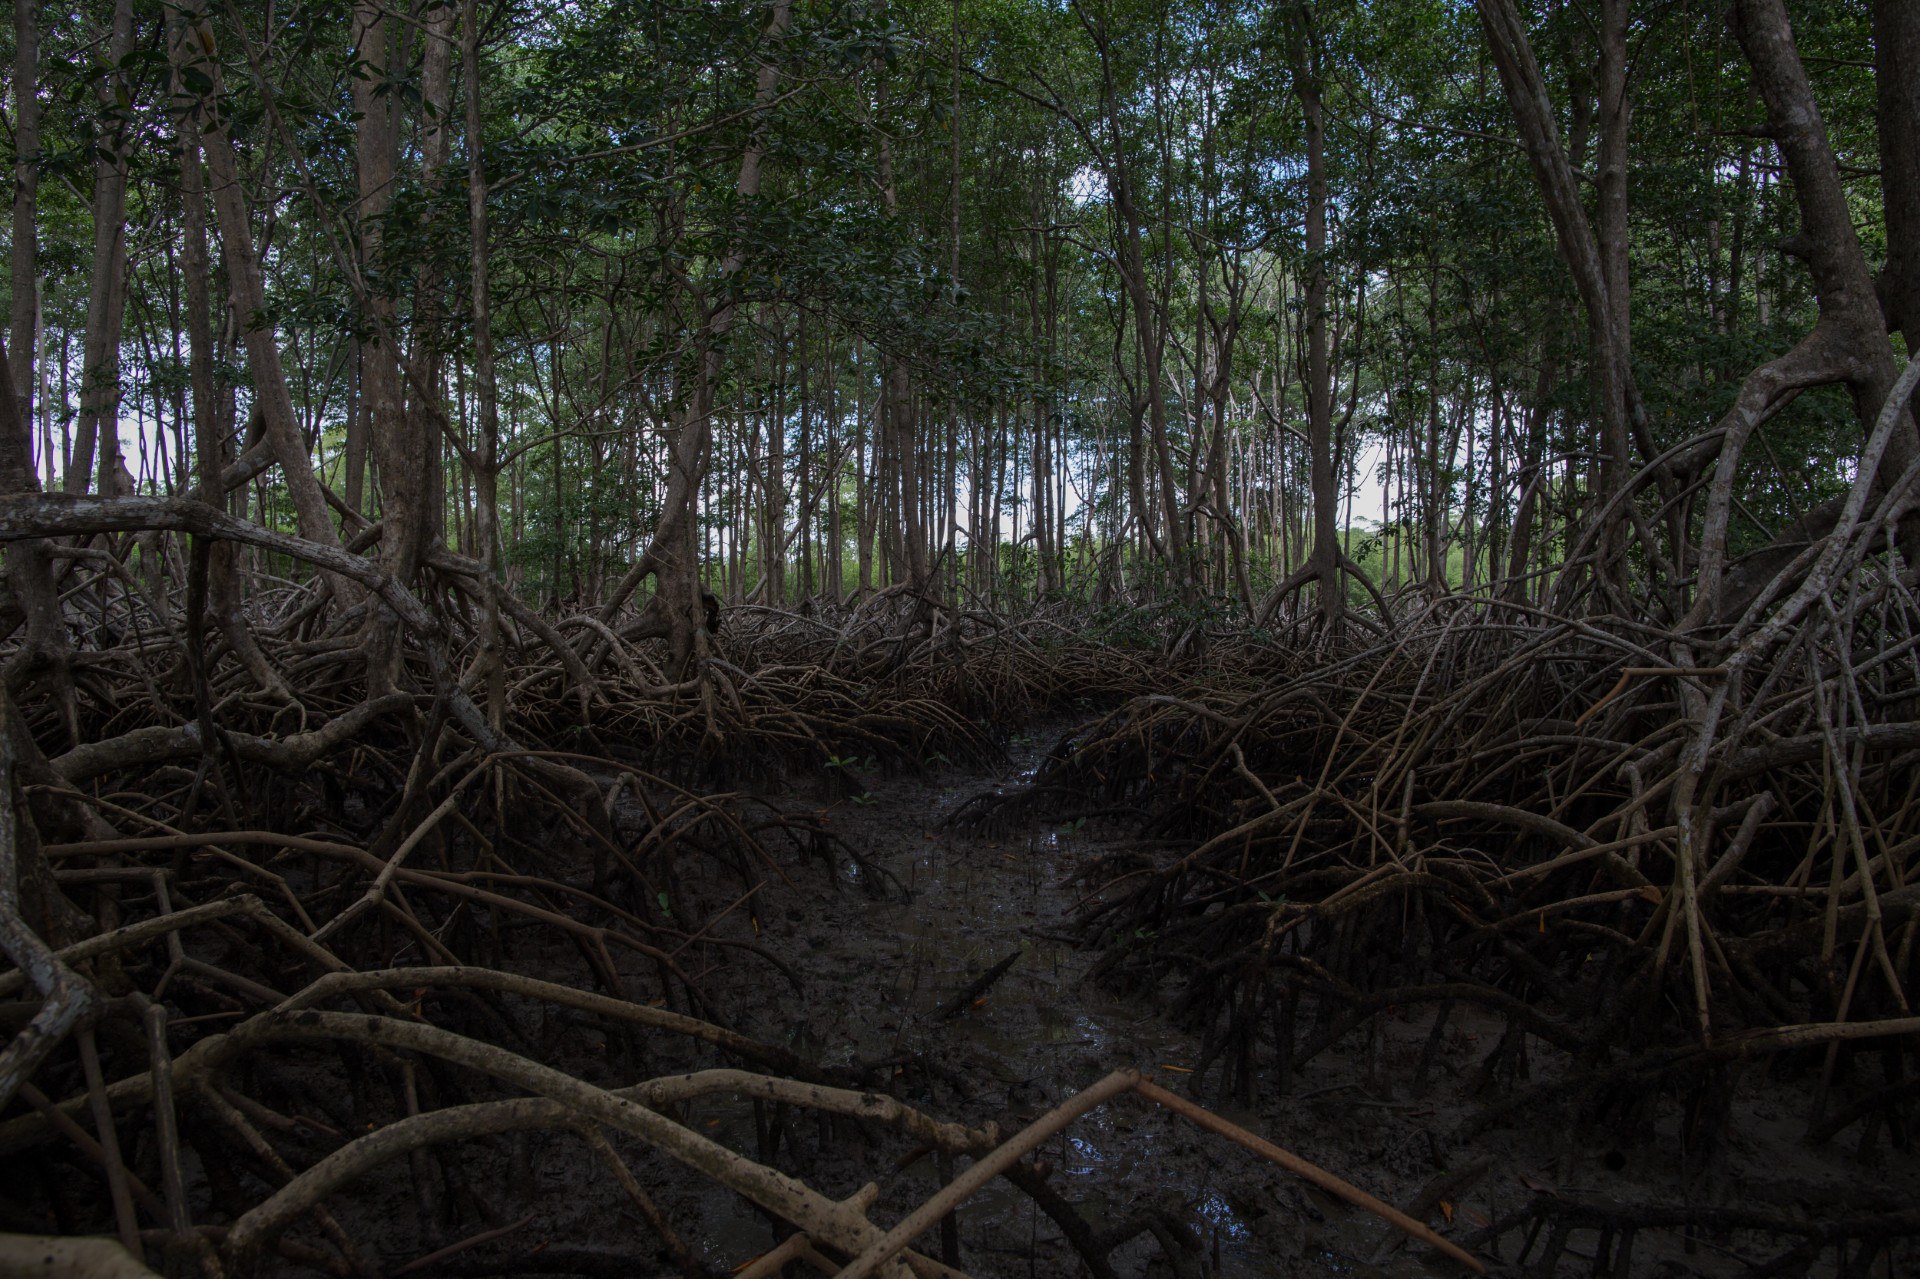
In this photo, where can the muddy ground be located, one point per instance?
(855, 963)
(879, 959)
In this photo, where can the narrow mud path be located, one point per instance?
(889, 946)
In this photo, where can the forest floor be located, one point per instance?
(845, 913)
(877, 955)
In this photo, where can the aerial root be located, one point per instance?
(1532, 817)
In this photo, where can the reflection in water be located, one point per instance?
(1214, 1209)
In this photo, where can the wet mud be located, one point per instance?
(864, 940)
(884, 953)
(936, 906)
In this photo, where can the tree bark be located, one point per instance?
(1164, 527)
(897, 412)
(1597, 271)
(486, 471)
(1323, 560)
(425, 411)
(1896, 43)
(402, 454)
(1615, 119)
(1848, 343)
(282, 428)
(213, 451)
(678, 612)
(26, 185)
(1326, 558)
(47, 649)
(106, 296)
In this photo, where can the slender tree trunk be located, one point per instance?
(423, 409)
(23, 328)
(486, 386)
(1848, 344)
(47, 649)
(833, 478)
(1040, 320)
(902, 423)
(774, 558)
(1611, 226)
(282, 428)
(866, 469)
(1323, 559)
(1597, 264)
(1896, 42)
(677, 611)
(1150, 341)
(99, 420)
(403, 460)
(212, 447)
(1532, 478)
(354, 447)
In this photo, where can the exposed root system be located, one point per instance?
(1515, 816)
(273, 947)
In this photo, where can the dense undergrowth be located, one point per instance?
(1485, 808)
